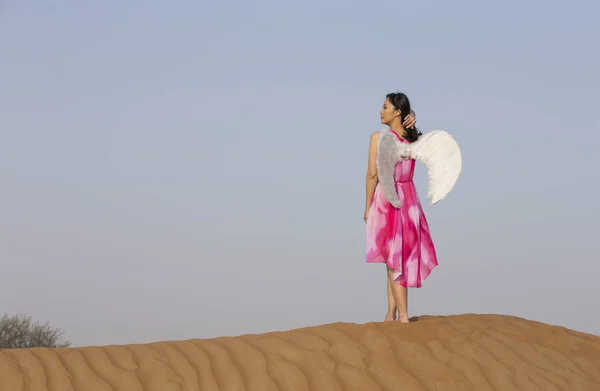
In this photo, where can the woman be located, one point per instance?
(399, 238)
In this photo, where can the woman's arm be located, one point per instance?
(372, 178)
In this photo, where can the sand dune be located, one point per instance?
(465, 352)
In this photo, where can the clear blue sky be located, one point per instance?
(173, 170)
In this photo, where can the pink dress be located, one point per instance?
(400, 238)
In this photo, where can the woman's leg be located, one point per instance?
(391, 313)
(400, 295)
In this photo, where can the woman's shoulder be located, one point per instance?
(377, 134)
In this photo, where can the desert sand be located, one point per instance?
(462, 352)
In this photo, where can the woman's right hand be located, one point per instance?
(410, 120)
(366, 216)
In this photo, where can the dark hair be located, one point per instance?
(400, 102)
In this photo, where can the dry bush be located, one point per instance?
(17, 332)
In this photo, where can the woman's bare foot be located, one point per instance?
(390, 317)
(403, 318)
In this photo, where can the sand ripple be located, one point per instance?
(465, 352)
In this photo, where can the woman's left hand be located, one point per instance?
(410, 120)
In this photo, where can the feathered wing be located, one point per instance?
(441, 155)
(387, 157)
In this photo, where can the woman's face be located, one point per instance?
(388, 113)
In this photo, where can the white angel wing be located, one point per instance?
(389, 153)
(441, 155)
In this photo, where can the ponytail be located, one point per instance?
(401, 102)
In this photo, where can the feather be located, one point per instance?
(442, 156)
(388, 155)
(436, 149)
